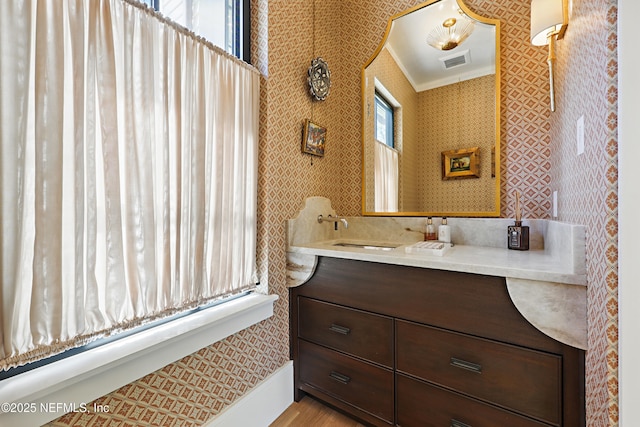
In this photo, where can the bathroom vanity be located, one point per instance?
(478, 337)
(409, 346)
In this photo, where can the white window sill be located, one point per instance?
(46, 393)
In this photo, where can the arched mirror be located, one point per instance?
(431, 115)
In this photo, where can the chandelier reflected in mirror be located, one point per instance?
(451, 33)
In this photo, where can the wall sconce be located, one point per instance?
(549, 21)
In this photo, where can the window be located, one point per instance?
(384, 121)
(225, 23)
(154, 216)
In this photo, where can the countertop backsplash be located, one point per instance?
(561, 240)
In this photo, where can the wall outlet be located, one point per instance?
(554, 205)
(580, 134)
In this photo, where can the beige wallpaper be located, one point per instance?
(537, 157)
(587, 185)
(455, 117)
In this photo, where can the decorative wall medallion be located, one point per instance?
(319, 79)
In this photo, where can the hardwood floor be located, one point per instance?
(312, 413)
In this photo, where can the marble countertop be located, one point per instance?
(547, 284)
(532, 265)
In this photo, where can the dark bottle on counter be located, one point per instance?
(518, 236)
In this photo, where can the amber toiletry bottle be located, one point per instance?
(430, 230)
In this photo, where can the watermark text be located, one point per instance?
(52, 407)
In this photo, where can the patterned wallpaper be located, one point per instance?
(586, 82)
(456, 117)
(537, 154)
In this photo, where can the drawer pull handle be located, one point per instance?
(456, 423)
(469, 366)
(339, 377)
(340, 329)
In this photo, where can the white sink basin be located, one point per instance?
(381, 247)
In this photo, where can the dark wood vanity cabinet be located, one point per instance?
(407, 346)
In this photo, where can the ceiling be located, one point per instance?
(423, 64)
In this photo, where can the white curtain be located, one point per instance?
(128, 172)
(385, 178)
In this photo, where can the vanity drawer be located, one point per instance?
(423, 405)
(469, 303)
(362, 385)
(517, 378)
(358, 333)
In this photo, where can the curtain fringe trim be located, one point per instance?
(187, 32)
(44, 351)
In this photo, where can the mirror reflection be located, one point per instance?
(431, 115)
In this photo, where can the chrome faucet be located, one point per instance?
(334, 219)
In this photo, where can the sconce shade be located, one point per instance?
(546, 17)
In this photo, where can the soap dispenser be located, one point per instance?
(444, 231)
(430, 230)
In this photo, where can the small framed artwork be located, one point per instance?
(314, 138)
(461, 164)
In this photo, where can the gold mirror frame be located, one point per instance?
(495, 152)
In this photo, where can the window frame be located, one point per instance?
(241, 43)
(381, 100)
(244, 30)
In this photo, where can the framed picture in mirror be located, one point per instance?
(314, 138)
(461, 164)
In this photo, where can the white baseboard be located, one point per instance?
(262, 405)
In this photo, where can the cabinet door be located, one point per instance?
(526, 381)
(356, 332)
(362, 385)
(423, 405)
